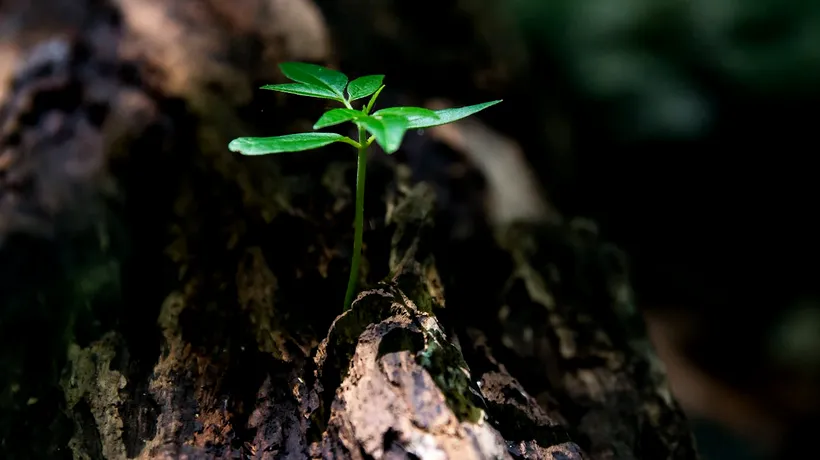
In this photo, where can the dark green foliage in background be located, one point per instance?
(655, 56)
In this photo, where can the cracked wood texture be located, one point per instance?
(163, 298)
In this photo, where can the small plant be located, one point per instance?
(385, 126)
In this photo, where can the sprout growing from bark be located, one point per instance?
(386, 127)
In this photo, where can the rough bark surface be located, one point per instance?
(190, 305)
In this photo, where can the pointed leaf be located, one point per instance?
(301, 89)
(336, 116)
(316, 76)
(396, 127)
(364, 86)
(372, 100)
(450, 115)
(388, 129)
(280, 144)
(409, 113)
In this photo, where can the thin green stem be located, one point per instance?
(358, 225)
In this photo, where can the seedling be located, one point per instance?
(385, 126)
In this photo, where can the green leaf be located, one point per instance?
(336, 116)
(280, 144)
(409, 113)
(387, 129)
(302, 90)
(364, 86)
(316, 77)
(450, 115)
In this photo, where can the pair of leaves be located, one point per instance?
(316, 81)
(387, 126)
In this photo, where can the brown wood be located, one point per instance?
(204, 310)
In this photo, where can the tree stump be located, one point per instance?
(165, 298)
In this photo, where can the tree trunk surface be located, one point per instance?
(164, 298)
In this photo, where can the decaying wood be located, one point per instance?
(202, 320)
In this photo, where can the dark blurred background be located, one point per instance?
(686, 129)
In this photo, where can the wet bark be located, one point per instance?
(165, 298)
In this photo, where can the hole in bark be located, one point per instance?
(401, 339)
(515, 425)
(65, 99)
(97, 113)
(392, 447)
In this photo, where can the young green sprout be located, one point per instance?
(385, 126)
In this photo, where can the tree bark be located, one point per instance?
(165, 298)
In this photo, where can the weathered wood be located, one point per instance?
(203, 320)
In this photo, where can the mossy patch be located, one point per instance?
(445, 364)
